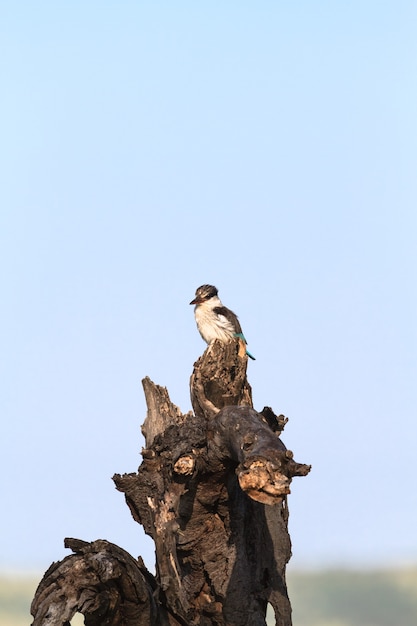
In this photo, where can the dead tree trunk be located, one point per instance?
(212, 493)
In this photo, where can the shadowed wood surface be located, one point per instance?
(212, 493)
(219, 379)
(100, 580)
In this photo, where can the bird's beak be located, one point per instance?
(195, 301)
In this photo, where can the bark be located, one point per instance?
(219, 379)
(212, 493)
(100, 580)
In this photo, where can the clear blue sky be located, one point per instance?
(268, 148)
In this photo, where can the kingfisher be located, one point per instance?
(214, 320)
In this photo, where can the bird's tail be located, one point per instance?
(242, 337)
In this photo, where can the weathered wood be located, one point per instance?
(161, 411)
(219, 379)
(221, 555)
(101, 581)
(212, 493)
(155, 495)
(265, 467)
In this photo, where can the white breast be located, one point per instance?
(212, 326)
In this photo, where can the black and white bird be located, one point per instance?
(214, 320)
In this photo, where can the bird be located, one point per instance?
(214, 320)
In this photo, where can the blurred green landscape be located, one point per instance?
(354, 598)
(328, 598)
(16, 593)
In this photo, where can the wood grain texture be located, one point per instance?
(212, 492)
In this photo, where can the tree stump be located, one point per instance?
(212, 493)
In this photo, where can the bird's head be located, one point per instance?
(204, 293)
